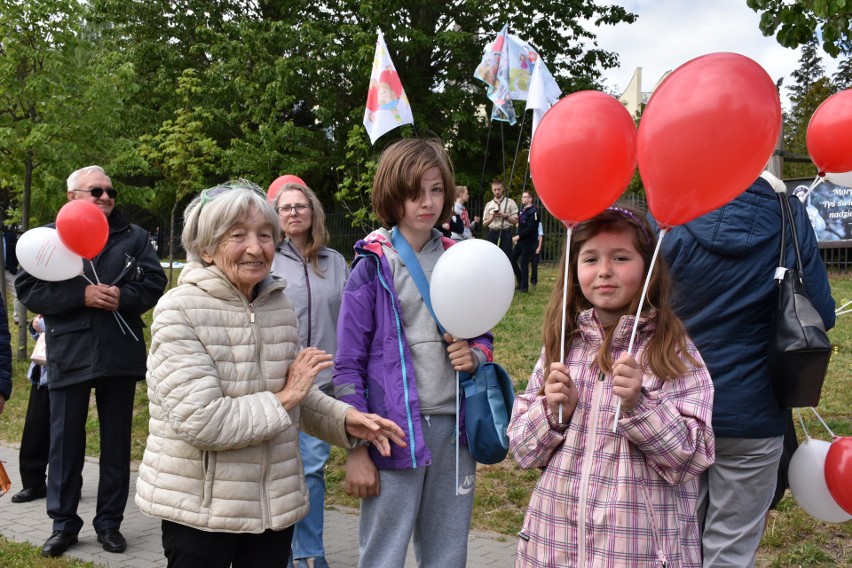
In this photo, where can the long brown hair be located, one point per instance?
(670, 336)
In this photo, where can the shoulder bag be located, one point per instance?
(799, 349)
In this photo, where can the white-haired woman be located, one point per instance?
(229, 390)
(315, 276)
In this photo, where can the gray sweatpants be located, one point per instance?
(734, 497)
(422, 502)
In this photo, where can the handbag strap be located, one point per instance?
(787, 218)
(409, 259)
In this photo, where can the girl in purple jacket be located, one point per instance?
(391, 356)
(627, 498)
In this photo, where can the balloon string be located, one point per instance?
(638, 314)
(119, 319)
(837, 311)
(564, 302)
(458, 432)
(823, 423)
(817, 180)
(843, 312)
(804, 428)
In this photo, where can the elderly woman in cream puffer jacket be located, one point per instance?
(229, 390)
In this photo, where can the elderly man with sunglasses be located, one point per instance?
(94, 340)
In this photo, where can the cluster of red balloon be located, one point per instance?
(829, 138)
(820, 477)
(57, 254)
(705, 135)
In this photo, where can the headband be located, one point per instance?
(630, 215)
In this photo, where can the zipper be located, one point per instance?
(588, 455)
(308, 287)
(264, 502)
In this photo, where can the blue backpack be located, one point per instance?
(487, 395)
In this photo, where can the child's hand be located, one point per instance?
(362, 477)
(461, 355)
(627, 382)
(559, 389)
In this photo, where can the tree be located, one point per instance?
(843, 76)
(798, 21)
(809, 89)
(182, 154)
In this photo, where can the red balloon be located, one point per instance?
(829, 135)
(706, 134)
(83, 228)
(583, 155)
(280, 182)
(838, 472)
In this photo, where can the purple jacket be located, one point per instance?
(373, 366)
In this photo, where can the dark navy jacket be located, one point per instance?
(723, 265)
(5, 355)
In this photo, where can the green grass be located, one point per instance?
(792, 538)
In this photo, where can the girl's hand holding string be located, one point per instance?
(461, 356)
(627, 382)
(559, 389)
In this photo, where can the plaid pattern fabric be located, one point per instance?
(612, 500)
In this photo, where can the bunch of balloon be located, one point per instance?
(829, 139)
(582, 157)
(84, 229)
(706, 134)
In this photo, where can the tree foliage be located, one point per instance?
(796, 22)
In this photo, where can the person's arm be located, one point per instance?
(512, 213)
(534, 434)
(671, 425)
(488, 214)
(5, 359)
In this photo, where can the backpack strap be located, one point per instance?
(409, 259)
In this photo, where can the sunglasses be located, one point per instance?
(212, 193)
(96, 192)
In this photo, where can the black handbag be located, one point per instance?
(799, 349)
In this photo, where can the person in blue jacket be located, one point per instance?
(723, 265)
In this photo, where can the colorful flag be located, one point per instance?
(543, 93)
(387, 105)
(493, 70)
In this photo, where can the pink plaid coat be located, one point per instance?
(610, 500)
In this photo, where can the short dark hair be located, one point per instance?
(401, 167)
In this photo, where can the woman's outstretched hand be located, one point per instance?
(373, 428)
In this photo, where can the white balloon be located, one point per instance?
(840, 178)
(807, 482)
(471, 287)
(41, 253)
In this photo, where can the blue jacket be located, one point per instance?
(723, 265)
(373, 368)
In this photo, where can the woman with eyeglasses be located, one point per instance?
(315, 276)
(230, 389)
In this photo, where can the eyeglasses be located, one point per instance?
(299, 208)
(212, 193)
(96, 192)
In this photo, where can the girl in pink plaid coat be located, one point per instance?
(604, 498)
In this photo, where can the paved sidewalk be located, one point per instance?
(28, 522)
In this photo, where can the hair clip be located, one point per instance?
(630, 215)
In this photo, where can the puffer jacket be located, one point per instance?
(723, 265)
(614, 499)
(222, 453)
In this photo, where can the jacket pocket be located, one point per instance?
(208, 469)
(69, 346)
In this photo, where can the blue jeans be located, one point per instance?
(307, 540)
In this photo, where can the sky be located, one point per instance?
(668, 33)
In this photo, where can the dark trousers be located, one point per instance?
(35, 441)
(502, 239)
(186, 547)
(523, 251)
(534, 276)
(69, 409)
